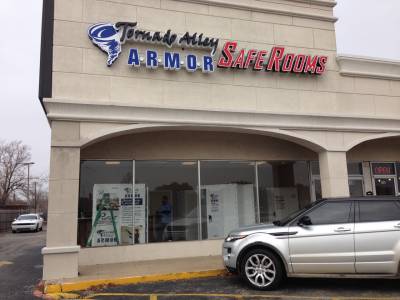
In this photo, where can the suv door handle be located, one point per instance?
(342, 229)
(397, 226)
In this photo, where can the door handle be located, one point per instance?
(397, 226)
(342, 229)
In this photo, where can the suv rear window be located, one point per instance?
(379, 211)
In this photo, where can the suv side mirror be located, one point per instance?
(304, 221)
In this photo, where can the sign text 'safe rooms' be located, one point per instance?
(278, 60)
(111, 37)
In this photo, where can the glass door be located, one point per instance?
(385, 181)
(385, 186)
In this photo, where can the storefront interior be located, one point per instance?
(138, 201)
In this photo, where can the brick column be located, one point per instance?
(60, 256)
(334, 177)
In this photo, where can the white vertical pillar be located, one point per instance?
(334, 177)
(60, 256)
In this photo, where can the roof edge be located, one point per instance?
(368, 67)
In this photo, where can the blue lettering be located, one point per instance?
(171, 61)
(151, 59)
(133, 58)
(208, 65)
(191, 63)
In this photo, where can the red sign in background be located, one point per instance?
(383, 169)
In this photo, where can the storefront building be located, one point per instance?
(174, 122)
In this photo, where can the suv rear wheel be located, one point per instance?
(262, 269)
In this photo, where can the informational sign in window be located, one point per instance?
(117, 219)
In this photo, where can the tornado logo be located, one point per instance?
(107, 38)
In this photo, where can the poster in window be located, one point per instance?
(106, 228)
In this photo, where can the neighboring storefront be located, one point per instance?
(174, 122)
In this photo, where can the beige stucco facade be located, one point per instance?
(349, 113)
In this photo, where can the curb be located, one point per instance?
(52, 288)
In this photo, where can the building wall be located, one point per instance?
(376, 150)
(106, 255)
(196, 145)
(81, 75)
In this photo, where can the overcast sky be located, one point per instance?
(365, 27)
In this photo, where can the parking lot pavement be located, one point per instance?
(230, 287)
(20, 264)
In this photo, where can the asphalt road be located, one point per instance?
(230, 287)
(20, 264)
(21, 270)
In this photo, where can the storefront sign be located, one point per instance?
(383, 169)
(110, 38)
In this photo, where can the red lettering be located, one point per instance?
(260, 58)
(299, 63)
(288, 61)
(250, 57)
(225, 61)
(239, 61)
(311, 64)
(275, 59)
(383, 170)
(321, 61)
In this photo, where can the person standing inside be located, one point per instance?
(165, 213)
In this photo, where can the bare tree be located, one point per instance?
(12, 171)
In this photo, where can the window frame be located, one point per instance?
(358, 210)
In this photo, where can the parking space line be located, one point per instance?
(236, 296)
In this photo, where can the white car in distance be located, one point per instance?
(28, 222)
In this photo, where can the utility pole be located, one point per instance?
(27, 190)
(35, 196)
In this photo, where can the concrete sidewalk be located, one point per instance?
(139, 272)
(152, 267)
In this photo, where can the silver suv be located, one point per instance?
(346, 237)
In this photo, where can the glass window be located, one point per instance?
(379, 211)
(315, 167)
(356, 187)
(170, 189)
(105, 204)
(284, 187)
(227, 195)
(354, 168)
(317, 189)
(332, 213)
(27, 217)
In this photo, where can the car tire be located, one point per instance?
(262, 269)
(14, 231)
(37, 228)
(41, 228)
